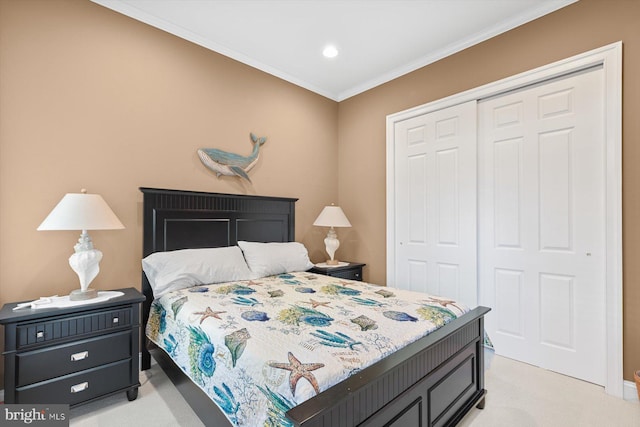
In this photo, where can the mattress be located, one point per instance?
(260, 347)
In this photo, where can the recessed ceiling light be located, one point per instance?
(330, 51)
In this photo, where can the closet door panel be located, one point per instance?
(435, 210)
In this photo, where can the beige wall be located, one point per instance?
(583, 26)
(90, 98)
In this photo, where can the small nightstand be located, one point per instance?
(352, 271)
(72, 355)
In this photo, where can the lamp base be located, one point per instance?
(80, 295)
(332, 262)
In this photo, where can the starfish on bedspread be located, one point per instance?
(208, 313)
(443, 302)
(299, 370)
(316, 304)
(252, 283)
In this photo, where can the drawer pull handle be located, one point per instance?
(40, 334)
(79, 356)
(79, 387)
(116, 320)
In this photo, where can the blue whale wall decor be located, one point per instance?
(231, 164)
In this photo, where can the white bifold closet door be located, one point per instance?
(435, 187)
(541, 238)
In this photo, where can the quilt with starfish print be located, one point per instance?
(260, 347)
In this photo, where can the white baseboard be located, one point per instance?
(629, 391)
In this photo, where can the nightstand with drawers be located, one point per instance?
(351, 271)
(72, 355)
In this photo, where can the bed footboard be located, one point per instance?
(433, 382)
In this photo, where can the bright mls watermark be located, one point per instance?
(34, 415)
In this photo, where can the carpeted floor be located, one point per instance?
(525, 396)
(519, 395)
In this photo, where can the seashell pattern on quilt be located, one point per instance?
(260, 348)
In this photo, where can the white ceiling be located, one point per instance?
(378, 40)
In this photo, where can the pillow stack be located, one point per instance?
(173, 270)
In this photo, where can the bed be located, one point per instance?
(433, 381)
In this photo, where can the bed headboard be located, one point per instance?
(175, 219)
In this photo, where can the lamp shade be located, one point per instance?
(332, 216)
(81, 211)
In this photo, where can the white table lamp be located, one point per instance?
(332, 216)
(82, 211)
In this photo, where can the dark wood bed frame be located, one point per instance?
(434, 381)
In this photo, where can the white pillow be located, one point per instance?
(268, 259)
(169, 271)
